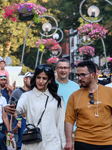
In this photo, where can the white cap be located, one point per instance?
(28, 74)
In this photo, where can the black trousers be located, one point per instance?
(85, 146)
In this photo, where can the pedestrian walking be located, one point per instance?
(16, 94)
(43, 91)
(3, 118)
(66, 87)
(91, 108)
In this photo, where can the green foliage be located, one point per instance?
(12, 36)
(82, 21)
(26, 69)
(66, 12)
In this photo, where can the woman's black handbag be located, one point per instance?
(33, 135)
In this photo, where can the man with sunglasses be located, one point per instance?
(91, 108)
(66, 86)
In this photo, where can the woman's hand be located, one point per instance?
(9, 109)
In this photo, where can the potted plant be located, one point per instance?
(11, 12)
(87, 52)
(52, 60)
(92, 31)
(50, 44)
(24, 12)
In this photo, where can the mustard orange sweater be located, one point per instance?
(91, 129)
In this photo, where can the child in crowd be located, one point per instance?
(3, 71)
(19, 126)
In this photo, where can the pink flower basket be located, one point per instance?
(13, 11)
(87, 50)
(52, 60)
(92, 31)
(50, 44)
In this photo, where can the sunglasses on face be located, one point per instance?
(45, 67)
(91, 96)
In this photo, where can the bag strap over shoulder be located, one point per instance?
(43, 111)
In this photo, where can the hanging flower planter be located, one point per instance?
(92, 31)
(87, 57)
(87, 51)
(50, 44)
(24, 12)
(25, 18)
(52, 60)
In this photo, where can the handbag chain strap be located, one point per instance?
(43, 111)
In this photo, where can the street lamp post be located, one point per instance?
(46, 27)
(93, 11)
(85, 39)
(109, 2)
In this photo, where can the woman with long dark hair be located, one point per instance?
(32, 103)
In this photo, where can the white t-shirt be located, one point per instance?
(3, 102)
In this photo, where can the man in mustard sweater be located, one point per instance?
(91, 108)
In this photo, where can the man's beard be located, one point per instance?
(86, 84)
(2, 85)
(28, 86)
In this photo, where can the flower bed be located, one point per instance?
(87, 50)
(52, 60)
(50, 44)
(14, 11)
(92, 31)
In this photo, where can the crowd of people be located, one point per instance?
(73, 116)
